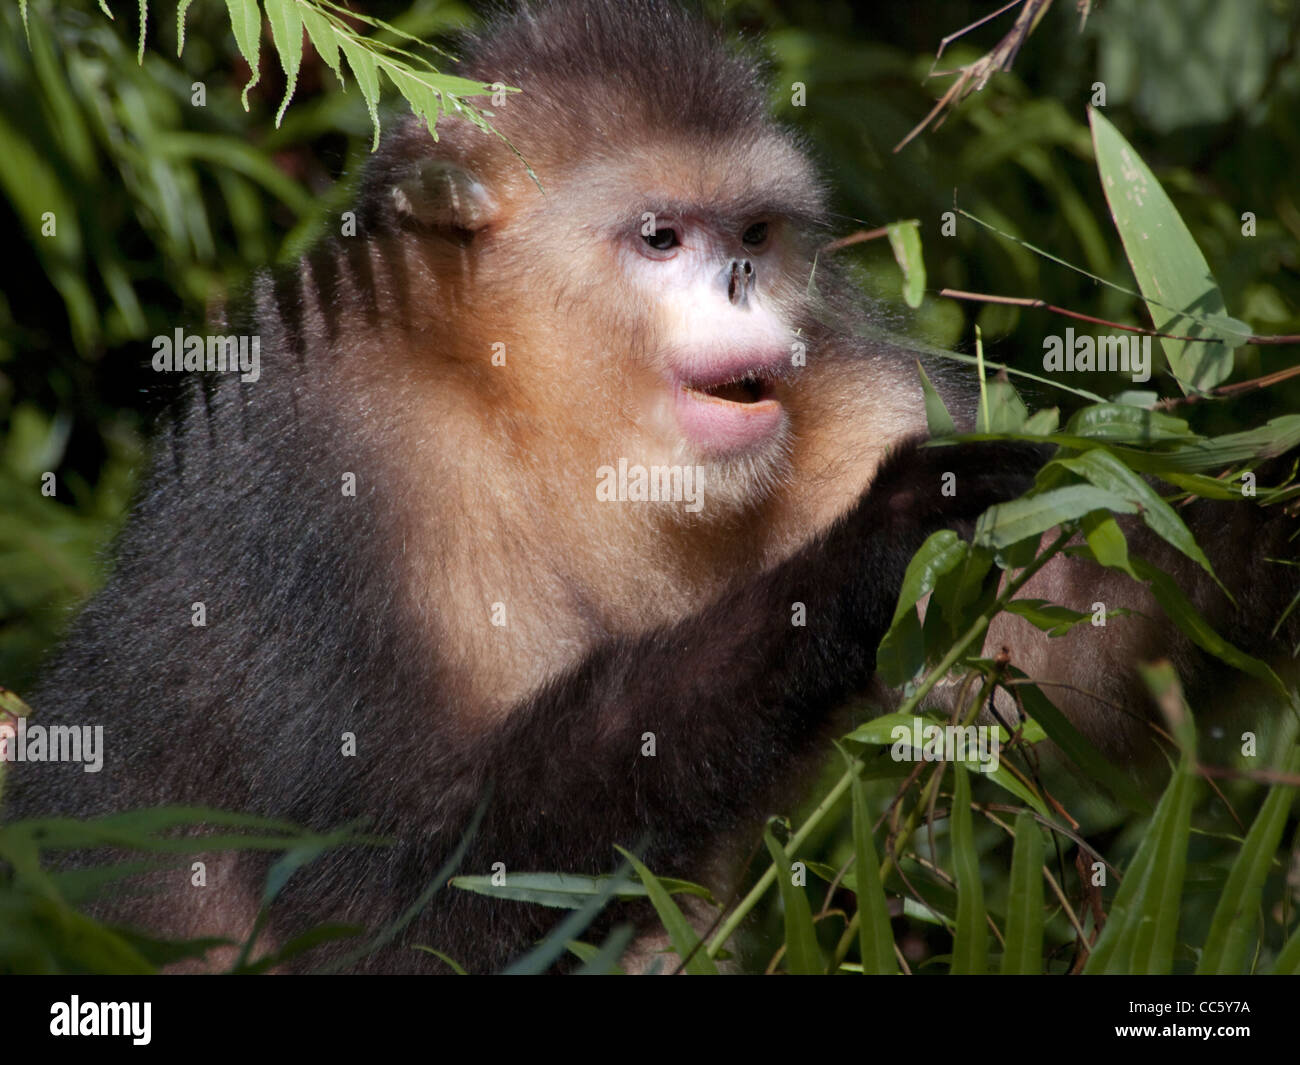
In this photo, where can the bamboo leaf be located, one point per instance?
(875, 938)
(1233, 927)
(905, 241)
(970, 945)
(1175, 279)
(1022, 954)
(1105, 471)
(684, 938)
(803, 955)
(937, 418)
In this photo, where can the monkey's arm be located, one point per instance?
(733, 695)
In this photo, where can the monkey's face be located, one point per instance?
(723, 343)
(693, 281)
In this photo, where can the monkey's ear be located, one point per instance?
(443, 195)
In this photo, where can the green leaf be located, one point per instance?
(1052, 619)
(246, 22)
(937, 418)
(1142, 929)
(970, 945)
(604, 961)
(567, 891)
(366, 71)
(1173, 275)
(1006, 411)
(879, 731)
(1043, 422)
(446, 959)
(1005, 524)
(1104, 470)
(181, 10)
(960, 596)
(902, 651)
(803, 956)
(905, 240)
(1118, 423)
(1022, 954)
(544, 955)
(1107, 542)
(144, 22)
(321, 32)
(1007, 781)
(1288, 958)
(875, 938)
(1234, 925)
(684, 938)
(286, 35)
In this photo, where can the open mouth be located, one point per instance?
(751, 388)
(734, 414)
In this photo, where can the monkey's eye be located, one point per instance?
(662, 239)
(755, 234)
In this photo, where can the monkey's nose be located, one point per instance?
(739, 275)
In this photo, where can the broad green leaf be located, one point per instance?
(803, 955)
(1119, 423)
(1005, 524)
(1105, 471)
(545, 953)
(1173, 275)
(905, 240)
(959, 596)
(1005, 780)
(879, 731)
(970, 945)
(1207, 487)
(1022, 954)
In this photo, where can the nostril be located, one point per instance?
(740, 279)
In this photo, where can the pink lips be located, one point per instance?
(720, 425)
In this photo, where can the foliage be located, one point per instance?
(970, 875)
